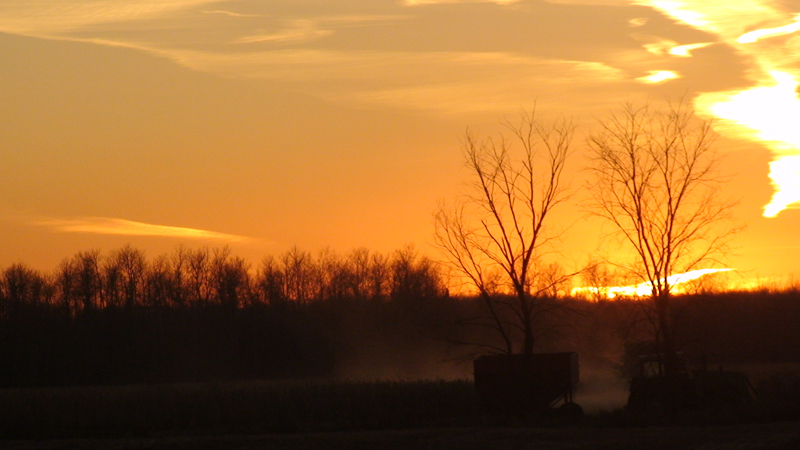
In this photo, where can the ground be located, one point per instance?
(780, 436)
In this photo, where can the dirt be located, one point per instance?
(780, 436)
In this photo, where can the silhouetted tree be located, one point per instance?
(198, 281)
(655, 178)
(22, 287)
(80, 283)
(270, 282)
(496, 235)
(414, 278)
(124, 271)
(299, 275)
(230, 279)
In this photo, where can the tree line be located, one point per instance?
(123, 318)
(125, 279)
(200, 314)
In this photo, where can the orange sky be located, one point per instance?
(264, 124)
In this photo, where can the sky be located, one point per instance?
(264, 124)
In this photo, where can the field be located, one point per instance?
(235, 408)
(352, 415)
(774, 436)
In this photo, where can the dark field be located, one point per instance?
(386, 415)
(235, 408)
(779, 436)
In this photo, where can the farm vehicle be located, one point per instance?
(538, 384)
(655, 389)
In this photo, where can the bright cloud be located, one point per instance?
(753, 36)
(669, 47)
(722, 17)
(658, 76)
(113, 226)
(685, 50)
(785, 175)
(769, 111)
(676, 9)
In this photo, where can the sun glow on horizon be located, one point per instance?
(646, 289)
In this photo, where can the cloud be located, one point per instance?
(766, 111)
(436, 2)
(113, 226)
(298, 30)
(722, 17)
(638, 22)
(658, 76)
(449, 82)
(44, 18)
(770, 32)
(346, 54)
(685, 50)
(231, 13)
(670, 47)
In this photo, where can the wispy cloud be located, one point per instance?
(43, 18)
(325, 52)
(114, 226)
(299, 30)
(231, 13)
(450, 82)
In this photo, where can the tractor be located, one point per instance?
(654, 389)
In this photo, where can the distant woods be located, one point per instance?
(125, 279)
(120, 317)
(198, 314)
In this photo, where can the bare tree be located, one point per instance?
(230, 279)
(496, 235)
(80, 283)
(198, 272)
(655, 178)
(124, 277)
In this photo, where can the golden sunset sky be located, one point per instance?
(264, 124)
